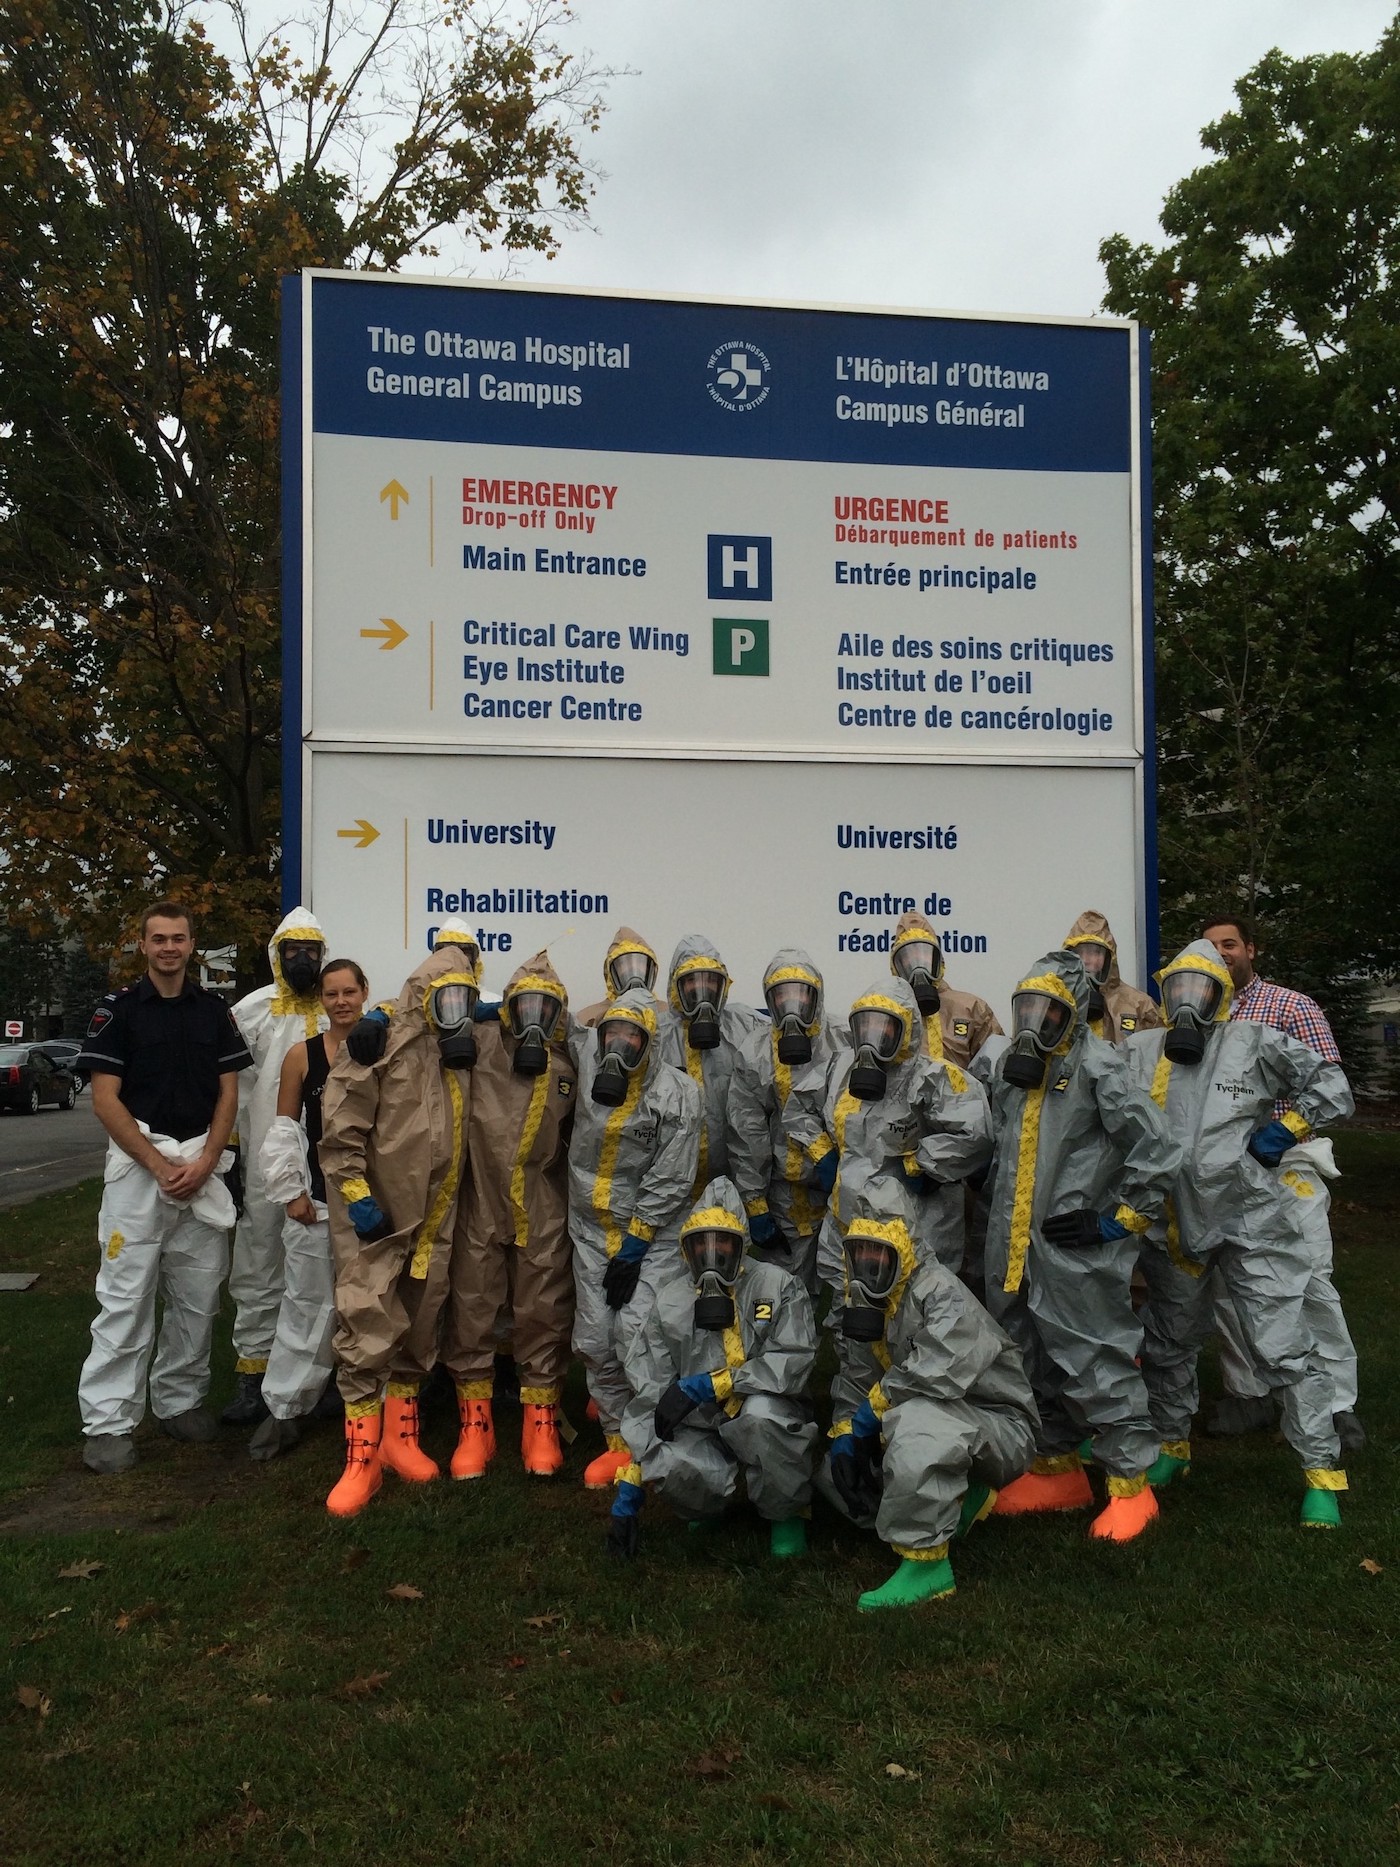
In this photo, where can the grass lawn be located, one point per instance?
(235, 1679)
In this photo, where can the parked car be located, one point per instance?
(29, 1078)
(65, 1051)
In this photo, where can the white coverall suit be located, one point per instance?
(301, 1363)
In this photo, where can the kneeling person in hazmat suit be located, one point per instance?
(718, 1366)
(630, 964)
(1083, 1164)
(631, 1170)
(1216, 1080)
(774, 1175)
(512, 1240)
(393, 1151)
(950, 1417)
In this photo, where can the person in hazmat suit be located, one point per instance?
(776, 1179)
(1083, 1164)
(948, 1417)
(701, 1034)
(511, 1248)
(393, 1152)
(631, 1170)
(630, 963)
(272, 1019)
(1116, 1009)
(963, 1022)
(366, 1042)
(1216, 1080)
(718, 1365)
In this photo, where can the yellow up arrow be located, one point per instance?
(389, 636)
(395, 494)
(362, 835)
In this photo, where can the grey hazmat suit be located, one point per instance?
(1126, 1009)
(396, 1131)
(711, 1070)
(760, 1426)
(951, 1394)
(1087, 1139)
(772, 1172)
(631, 1170)
(272, 1019)
(1229, 1211)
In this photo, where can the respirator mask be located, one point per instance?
(714, 1256)
(919, 962)
(622, 1046)
(450, 1008)
(301, 962)
(631, 971)
(876, 1036)
(1095, 958)
(1040, 1022)
(701, 992)
(1190, 1001)
(792, 1005)
(872, 1265)
(534, 1018)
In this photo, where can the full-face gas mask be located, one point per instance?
(714, 1254)
(1190, 1000)
(630, 970)
(450, 1006)
(872, 1266)
(876, 1035)
(301, 962)
(792, 1005)
(534, 1011)
(1040, 1022)
(701, 990)
(622, 1049)
(918, 960)
(1096, 960)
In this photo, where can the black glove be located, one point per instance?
(620, 1281)
(624, 1534)
(1073, 1231)
(233, 1180)
(856, 1473)
(367, 1040)
(674, 1406)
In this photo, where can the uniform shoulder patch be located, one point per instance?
(566, 1087)
(960, 1027)
(103, 1014)
(1059, 1086)
(1127, 1024)
(763, 1312)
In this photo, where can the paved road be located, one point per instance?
(45, 1152)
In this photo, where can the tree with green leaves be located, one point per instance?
(1274, 304)
(154, 188)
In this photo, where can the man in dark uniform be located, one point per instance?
(163, 1056)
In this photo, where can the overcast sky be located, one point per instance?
(946, 154)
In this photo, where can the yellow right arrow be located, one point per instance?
(363, 833)
(389, 636)
(395, 494)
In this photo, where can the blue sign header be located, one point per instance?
(402, 360)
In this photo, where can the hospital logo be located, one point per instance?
(739, 569)
(738, 376)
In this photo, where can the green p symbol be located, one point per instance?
(741, 647)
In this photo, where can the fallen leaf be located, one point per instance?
(895, 1769)
(404, 1591)
(33, 1699)
(80, 1571)
(365, 1686)
(130, 1616)
(1371, 1566)
(617, 1696)
(543, 1621)
(56, 1612)
(214, 1653)
(354, 1559)
(260, 1698)
(515, 1662)
(712, 1765)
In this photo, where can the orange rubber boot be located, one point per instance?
(476, 1446)
(540, 1450)
(590, 1412)
(1044, 1491)
(600, 1472)
(1123, 1518)
(363, 1475)
(399, 1448)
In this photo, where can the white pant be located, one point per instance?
(1322, 1307)
(149, 1246)
(256, 1280)
(301, 1361)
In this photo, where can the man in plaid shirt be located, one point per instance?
(1303, 1172)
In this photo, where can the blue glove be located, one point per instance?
(624, 1271)
(486, 1011)
(368, 1219)
(763, 1228)
(1272, 1143)
(824, 1172)
(864, 1422)
(367, 1039)
(1109, 1229)
(624, 1521)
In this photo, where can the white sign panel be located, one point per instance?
(757, 621)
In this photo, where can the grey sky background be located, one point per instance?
(949, 154)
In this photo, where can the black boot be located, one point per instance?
(1235, 1415)
(247, 1407)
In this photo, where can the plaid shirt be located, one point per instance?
(1293, 1013)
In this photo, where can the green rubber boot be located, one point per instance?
(787, 1538)
(1319, 1511)
(977, 1503)
(911, 1583)
(1173, 1461)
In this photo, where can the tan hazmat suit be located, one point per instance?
(511, 1246)
(964, 1021)
(1125, 1008)
(398, 1131)
(625, 940)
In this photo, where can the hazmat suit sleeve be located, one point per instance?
(1138, 1128)
(1318, 1090)
(647, 1360)
(960, 1137)
(285, 1161)
(783, 1363)
(668, 1180)
(349, 1107)
(953, 1348)
(750, 1130)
